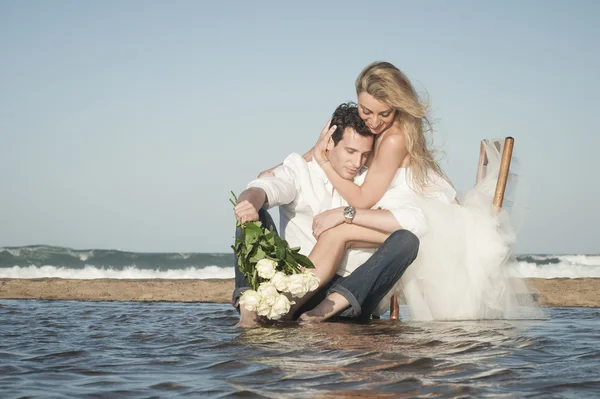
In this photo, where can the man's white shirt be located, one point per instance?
(302, 190)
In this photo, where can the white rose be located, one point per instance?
(280, 281)
(263, 309)
(296, 285)
(311, 281)
(268, 293)
(266, 268)
(250, 299)
(280, 308)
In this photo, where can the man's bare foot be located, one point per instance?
(247, 319)
(247, 323)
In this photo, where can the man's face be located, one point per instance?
(350, 154)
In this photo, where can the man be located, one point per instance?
(302, 191)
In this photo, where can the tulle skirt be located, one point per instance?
(462, 270)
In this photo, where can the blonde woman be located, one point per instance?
(389, 105)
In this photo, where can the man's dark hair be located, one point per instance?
(346, 115)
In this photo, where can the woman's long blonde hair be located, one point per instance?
(387, 83)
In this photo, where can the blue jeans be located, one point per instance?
(366, 286)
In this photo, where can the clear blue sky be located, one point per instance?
(126, 124)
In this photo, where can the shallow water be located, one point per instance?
(124, 349)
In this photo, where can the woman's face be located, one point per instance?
(377, 115)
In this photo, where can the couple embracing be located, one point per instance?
(368, 201)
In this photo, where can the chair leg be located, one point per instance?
(394, 308)
(507, 151)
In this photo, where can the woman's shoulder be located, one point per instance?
(394, 137)
(392, 142)
(393, 147)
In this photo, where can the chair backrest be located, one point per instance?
(483, 157)
(506, 150)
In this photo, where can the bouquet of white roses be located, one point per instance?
(272, 269)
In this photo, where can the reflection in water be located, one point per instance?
(384, 357)
(65, 348)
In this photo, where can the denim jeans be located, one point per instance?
(366, 286)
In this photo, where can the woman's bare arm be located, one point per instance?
(388, 158)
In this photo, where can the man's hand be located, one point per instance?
(249, 202)
(245, 212)
(327, 220)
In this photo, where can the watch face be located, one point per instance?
(349, 212)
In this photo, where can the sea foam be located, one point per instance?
(129, 272)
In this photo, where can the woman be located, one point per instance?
(460, 272)
(389, 105)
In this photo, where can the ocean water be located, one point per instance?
(63, 349)
(46, 261)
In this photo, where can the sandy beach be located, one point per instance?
(558, 292)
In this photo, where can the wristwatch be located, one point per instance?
(349, 213)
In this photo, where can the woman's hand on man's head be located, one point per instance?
(320, 149)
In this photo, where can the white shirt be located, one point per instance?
(302, 190)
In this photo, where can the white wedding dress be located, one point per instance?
(461, 271)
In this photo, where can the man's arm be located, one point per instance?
(402, 210)
(271, 191)
(376, 219)
(249, 202)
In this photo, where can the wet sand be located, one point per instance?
(558, 292)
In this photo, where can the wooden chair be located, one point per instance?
(498, 195)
